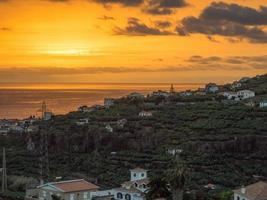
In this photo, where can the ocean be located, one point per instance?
(18, 101)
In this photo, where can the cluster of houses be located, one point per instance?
(79, 189)
(239, 95)
(134, 189)
(18, 126)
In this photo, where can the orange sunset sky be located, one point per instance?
(132, 40)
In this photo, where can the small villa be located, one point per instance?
(263, 104)
(211, 88)
(82, 122)
(109, 128)
(231, 96)
(236, 85)
(256, 191)
(109, 102)
(134, 189)
(160, 94)
(145, 114)
(246, 94)
(68, 190)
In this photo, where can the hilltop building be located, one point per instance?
(145, 114)
(135, 188)
(211, 88)
(68, 190)
(47, 115)
(160, 93)
(109, 102)
(263, 104)
(256, 191)
(246, 94)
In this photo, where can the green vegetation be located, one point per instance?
(223, 144)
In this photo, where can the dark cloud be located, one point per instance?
(104, 17)
(235, 13)
(163, 7)
(137, 28)
(122, 2)
(212, 23)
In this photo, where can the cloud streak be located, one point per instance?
(136, 28)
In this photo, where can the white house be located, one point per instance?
(82, 122)
(161, 94)
(263, 104)
(145, 114)
(47, 116)
(211, 88)
(108, 102)
(186, 93)
(174, 151)
(236, 85)
(134, 189)
(109, 128)
(231, 96)
(256, 191)
(246, 94)
(68, 190)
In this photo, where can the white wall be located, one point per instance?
(138, 175)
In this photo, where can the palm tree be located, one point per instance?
(178, 177)
(158, 188)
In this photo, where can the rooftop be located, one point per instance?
(138, 170)
(256, 191)
(72, 185)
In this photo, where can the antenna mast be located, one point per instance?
(4, 174)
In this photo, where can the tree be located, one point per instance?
(226, 195)
(158, 188)
(178, 177)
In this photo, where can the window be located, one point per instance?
(238, 198)
(85, 195)
(142, 174)
(119, 195)
(71, 196)
(128, 197)
(136, 185)
(134, 174)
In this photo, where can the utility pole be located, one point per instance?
(4, 174)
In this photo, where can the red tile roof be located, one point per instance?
(74, 185)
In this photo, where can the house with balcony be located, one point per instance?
(134, 189)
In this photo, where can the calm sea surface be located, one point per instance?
(23, 100)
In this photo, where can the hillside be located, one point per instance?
(222, 143)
